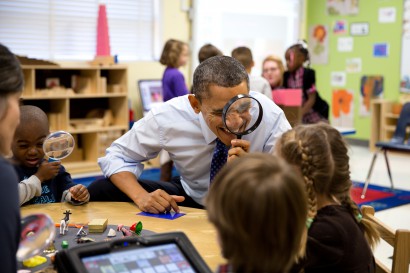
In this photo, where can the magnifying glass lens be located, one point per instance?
(58, 145)
(243, 115)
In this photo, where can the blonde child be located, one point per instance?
(41, 181)
(314, 108)
(258, 206)
(174, 55)
(339, 239)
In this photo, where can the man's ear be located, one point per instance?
(195, 104)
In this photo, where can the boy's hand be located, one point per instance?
(239, 148)
(79, 192)
(47, 170)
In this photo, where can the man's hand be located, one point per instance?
(79, 192)
(158, 202)
(239, 148)
(48, 170)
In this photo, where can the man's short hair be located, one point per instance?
(222, 71)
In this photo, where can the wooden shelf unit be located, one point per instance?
(84, 92)
(383, 122)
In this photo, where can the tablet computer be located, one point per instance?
(166, 252)
(150, 93)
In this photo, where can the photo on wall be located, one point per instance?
(342, 108)
(370, 87)
(319, 44)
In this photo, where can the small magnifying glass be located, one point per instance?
(37, 232)
(242, 115)
(58, 145)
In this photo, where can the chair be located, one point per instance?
(399, 240)
(384, 147)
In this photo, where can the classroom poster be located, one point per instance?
(370, 87)
(342, 108)
(338, 78)
(342, 7)
(387, 15)
(345, 44)
(405, 50)
(340, 27)
(319, 44)
(354, 65)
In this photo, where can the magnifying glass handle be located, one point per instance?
(52, 160)
(239, 137)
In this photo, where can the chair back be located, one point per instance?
(399, 240)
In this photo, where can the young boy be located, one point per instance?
(41, 181)
(267, 235)
(256, 83)
(207, 51)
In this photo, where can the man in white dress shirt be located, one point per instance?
(187, 128)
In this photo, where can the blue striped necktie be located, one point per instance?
(219, 158)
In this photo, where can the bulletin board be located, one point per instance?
(405, 55)
(356, 51)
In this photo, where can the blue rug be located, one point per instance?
(148, 174)
(380, 198)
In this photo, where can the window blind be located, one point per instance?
(67, 30)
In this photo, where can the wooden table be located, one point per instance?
(194, 224)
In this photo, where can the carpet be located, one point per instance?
(380, 198)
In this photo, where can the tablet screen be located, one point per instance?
(152, 259)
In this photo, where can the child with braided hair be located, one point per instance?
(339, 239)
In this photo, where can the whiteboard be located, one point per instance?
(266, 27)
(405, 50)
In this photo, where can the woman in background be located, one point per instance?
(11, 85)
(272, 70)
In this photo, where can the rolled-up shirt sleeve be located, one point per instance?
(126, 154)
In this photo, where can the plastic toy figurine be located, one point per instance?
(64, 222)
(134, 230)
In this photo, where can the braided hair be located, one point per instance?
(322, 154)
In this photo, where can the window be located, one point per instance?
(66, 29)
(266, 27)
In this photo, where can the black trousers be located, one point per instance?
(104, 190)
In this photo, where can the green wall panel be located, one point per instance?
(388, 67)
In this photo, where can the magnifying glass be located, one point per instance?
(58, 145)
(242, 115)
(37, 232)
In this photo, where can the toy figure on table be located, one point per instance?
(64, 222)
(134, 230)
